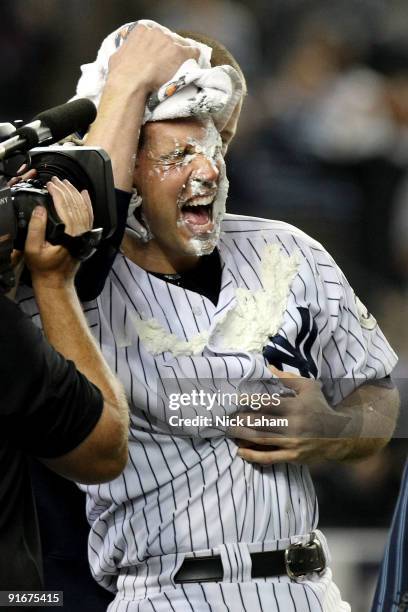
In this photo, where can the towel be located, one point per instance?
(195, 90)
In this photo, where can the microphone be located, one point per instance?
(50, 126)
(6, 130)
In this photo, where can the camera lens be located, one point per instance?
(48, 165)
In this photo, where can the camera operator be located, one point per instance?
(75, 419)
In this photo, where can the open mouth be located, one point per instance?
(197, 214)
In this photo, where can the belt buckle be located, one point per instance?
(314, 542)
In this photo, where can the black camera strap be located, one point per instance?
(80, 247)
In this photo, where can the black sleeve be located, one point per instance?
(47, 407)
(92, 274)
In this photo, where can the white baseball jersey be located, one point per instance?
(184, 491)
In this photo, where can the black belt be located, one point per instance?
(297, 560)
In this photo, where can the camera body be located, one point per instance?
(86, 168)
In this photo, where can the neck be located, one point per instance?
(152, 257)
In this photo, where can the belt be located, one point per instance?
(297, 560)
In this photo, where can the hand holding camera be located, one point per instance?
(53, 266)
(86, 168)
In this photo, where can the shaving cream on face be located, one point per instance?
(198, 186)
(204, 244)
(141, 232)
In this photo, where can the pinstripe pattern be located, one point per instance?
(392, 588)
(187, 490)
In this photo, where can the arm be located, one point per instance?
(148, 58)
(360, 425)
(103, 454)
(353, 350)
(373, 411)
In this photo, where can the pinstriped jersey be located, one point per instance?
(185, 489)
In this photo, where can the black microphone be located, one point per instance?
(50, 126)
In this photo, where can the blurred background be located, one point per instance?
(322, 144)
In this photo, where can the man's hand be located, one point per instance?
(360, 426)
(149, 55)
(147, 59)
(308, 416)
(51, 265)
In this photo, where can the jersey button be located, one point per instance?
(197, 310)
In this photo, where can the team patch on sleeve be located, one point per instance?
(367, 320)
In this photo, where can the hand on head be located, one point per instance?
(151, 53)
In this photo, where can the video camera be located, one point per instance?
(85, 167)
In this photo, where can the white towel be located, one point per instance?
(195, 90)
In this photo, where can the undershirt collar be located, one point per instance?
(204, 278)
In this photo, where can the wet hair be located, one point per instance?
(220, 54)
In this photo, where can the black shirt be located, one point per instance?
(204, 278)
(47, 408)
(93, 272)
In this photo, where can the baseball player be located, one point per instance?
(199, 295)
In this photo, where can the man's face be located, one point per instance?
(180, 174)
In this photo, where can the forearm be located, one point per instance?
(117, 127)
(357, 427)
(66, 329)
(373, 411)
